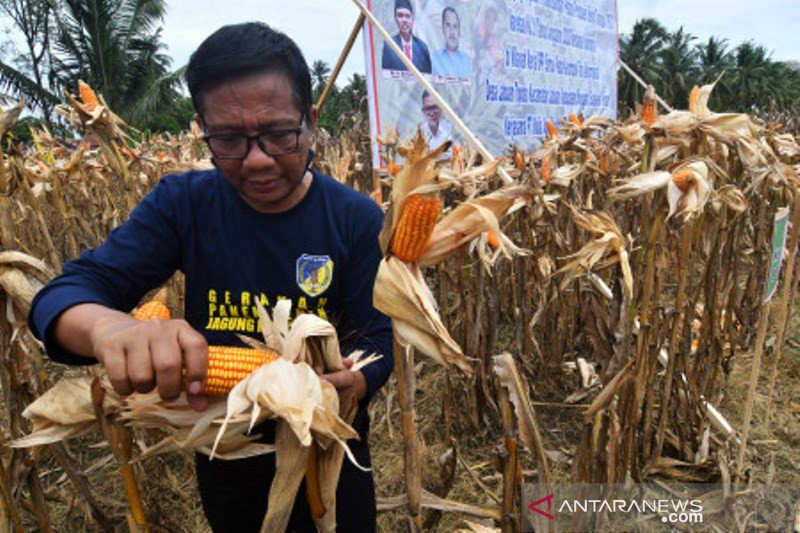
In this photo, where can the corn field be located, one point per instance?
(591, 326)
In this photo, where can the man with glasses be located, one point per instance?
(261, 225)
(435, 129)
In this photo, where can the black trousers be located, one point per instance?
(234, 493)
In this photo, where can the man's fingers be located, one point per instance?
(341, 379)
(168, 364)
(116, 368)
(198, 402)
(140, 366)
(195, 357)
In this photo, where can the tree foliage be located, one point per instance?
(340, 108)
(113, 45)
(748, 80)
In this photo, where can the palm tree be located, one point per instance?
(715, 62)
(641, 52)
(33, 19)
(113, 45)
(679, 67)
(752, 83)
(319, 74)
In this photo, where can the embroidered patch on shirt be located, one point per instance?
(314, 273)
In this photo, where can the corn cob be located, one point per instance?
(88, 96)
(492, 239)
(519, 161)
(546, 169)
(227, 365)
(152, 310)
(693, 97)
(393, 168)
(683, 179)
(552, 131)
(415, 226)
(649, 112)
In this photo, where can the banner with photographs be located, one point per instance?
(504, 66)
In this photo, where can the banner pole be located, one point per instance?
(454, 118)
(340, 62)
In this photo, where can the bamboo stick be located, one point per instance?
(406, 383)
(508, 523)
(120, 439)
(763, 322)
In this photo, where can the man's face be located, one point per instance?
(450, 30)
(405, 22)
(254, 104)
(432, 112)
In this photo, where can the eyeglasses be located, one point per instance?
(272, 143)
(430, 108)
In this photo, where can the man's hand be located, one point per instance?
(351, 386)
(138, 356)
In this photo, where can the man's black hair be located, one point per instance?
(403, 4)
(447, 10)
(425, 94)
(241, 49)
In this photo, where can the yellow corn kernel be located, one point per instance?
(415, 226)
(228, 365)
(88, 96)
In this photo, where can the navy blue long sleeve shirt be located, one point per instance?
(323, 254)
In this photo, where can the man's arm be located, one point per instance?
(81, 318)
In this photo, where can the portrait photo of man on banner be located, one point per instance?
(413, 47)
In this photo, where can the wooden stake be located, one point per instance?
(508, 523)
(406, 383)
(120, 440)
(340, 62)
(761, 334)
(454, 118)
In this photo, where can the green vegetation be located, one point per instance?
(113, 45)
(673, 62)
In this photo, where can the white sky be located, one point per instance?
(321, 27)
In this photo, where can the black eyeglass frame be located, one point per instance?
(261, 145)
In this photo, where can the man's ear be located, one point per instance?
(197, 119)
(312, 117)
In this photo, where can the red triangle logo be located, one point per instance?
(534, 506)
